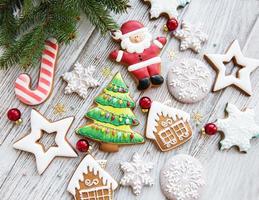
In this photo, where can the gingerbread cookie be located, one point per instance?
(79, 80)
(111, 118)
(238, 128)
(242, 79)
(139, 53)
(46, 78)
(168, 126)
(168, 7)
(30, 142)
(91, 182)
(189, 80)
(182, 178)
(191, 36)
(137, 174)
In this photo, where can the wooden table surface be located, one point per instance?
(230, 175)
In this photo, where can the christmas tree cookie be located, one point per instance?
(111, 118)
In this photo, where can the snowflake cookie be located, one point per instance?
(182, 178)
(191, 36)
(168, 7)
(79, 80)
(239, 127)
(137, 174)
(189, 80)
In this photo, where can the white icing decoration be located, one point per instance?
(161, 109)
(80, 79)
(136, 173)
(168, 7)
(248, 66)
(239, 127)
(189, 80)
(89, 164)
(191, 37)
(182, 178)
(29, 142)
(89, 182)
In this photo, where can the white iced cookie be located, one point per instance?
(79, 80)
(182, 178)
(191, 36)
(238, 128)
(189, 80)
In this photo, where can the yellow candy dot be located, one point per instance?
(120, 101)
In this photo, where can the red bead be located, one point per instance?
(82, 145)
(172, 24)
(145, 102)
(210, 129)
(14, 114)
(131, 136)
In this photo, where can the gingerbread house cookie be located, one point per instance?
(91, 182)
(168, 126)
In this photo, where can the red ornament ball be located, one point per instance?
(145, 102)
(210, 129)
(82, 145)
(14, 114)
(172, 24)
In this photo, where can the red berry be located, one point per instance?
(145, 102)
(14, 114)
(172, 24)
(82, 145)
(210, 129)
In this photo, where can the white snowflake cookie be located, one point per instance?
(137, 174)
(79, 80)
(239, 127)
(189, 80)
(191, 36)
(182, 178)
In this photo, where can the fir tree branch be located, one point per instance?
(117, 6)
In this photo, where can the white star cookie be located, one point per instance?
(239, 127)
(182, 178)
(191, 36)
(80, 79)
(30, 142)
(247, 66)
(168, 7)
(136, 173)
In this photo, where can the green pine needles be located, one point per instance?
(26, 24)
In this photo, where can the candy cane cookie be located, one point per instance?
(40, 94)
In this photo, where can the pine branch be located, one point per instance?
(117, 6)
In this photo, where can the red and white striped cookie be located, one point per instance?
(37, 96)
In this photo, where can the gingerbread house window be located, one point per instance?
(97, 193)
(175, 130)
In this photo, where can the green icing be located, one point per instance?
(102, 136)
(107, 117)
(107, 100)
(117, 84)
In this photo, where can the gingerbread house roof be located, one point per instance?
(89, 164)
(157, 109)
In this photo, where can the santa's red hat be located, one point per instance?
(128, 28)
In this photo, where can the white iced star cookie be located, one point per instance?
(247, 66)
(168, 7)
(30, 142)
(137, 173)
(238, 128)
(191, 36)
(182, 178)
(189, 80)
(80, 79)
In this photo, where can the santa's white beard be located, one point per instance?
(136, 47)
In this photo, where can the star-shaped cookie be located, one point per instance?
(30, 142)
(80, 79)
(137, 174)
(239, 127)
(247, 65)
(168, 7)
(191, 36)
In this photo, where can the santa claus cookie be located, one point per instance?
(139, 53)
(182, 178)
(189, 80)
